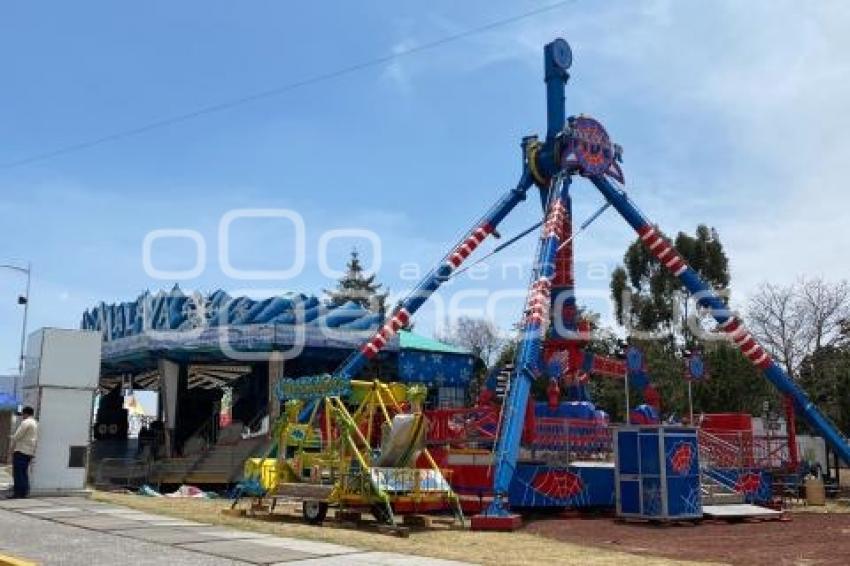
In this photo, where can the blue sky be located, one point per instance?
(731, 114)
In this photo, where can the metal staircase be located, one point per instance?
(715, 456)
(716, 492)
(219, 463)
(503, 380)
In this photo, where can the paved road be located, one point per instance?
(76, 531)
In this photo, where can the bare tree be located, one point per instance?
(827, 309)
(478, 335)
(796, 320)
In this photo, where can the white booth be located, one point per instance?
(60, 380)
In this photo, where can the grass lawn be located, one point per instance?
(480, 547)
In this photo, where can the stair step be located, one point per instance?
(723, 499)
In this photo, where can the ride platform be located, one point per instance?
(740, 511)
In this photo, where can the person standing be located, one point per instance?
(23, 449)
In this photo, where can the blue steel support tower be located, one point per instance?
(527, 362)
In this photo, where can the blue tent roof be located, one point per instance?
(174, 310)
(8, 402)
(195, 326)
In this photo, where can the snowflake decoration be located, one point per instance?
(409, 369)
(440, 378)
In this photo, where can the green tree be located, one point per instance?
(825, 375)
(734, 383)
(358, 287)
(658, 301)
(649, 298)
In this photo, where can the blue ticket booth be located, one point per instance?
(657, 472)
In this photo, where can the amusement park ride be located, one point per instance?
(551, 334)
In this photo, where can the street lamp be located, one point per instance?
(25, 301)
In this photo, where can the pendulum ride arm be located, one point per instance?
(729, 323)
(436, 277)
(527, 361)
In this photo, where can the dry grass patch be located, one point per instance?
(479, 547)
(840, 506)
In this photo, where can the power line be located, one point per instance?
(322, 77)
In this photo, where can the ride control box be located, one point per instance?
(657, 472)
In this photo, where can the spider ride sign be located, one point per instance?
(311, 387)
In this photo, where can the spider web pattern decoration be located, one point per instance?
(681, 457)
(692, 502)
(651, 494)
(558, 484)
(754, 486)
(545, 486)
(748, 482)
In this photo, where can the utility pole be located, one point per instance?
(25, 301)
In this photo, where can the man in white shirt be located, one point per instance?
(23, 449)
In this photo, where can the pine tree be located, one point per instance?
(358, 287)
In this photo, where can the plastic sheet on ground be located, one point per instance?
(148, 491)
(189, 491)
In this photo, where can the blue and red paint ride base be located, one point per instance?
(536, 484)
(540, 486)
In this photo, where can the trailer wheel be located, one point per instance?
(314, 511)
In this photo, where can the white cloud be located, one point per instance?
(397, 71)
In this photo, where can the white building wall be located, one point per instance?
(60, 378)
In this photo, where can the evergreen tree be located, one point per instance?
(358, 287)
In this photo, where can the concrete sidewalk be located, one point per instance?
(76, 530)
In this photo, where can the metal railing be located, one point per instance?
(743, 449)
(572, 439)
(718, 452)
(462, 425)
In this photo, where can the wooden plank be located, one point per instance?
(418, 520)
(349, 516)
(402, 532)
